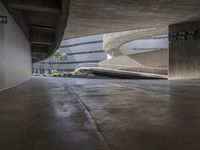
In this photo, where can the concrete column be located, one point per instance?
(184, 51)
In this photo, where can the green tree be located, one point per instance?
(57, 56)
(61, 56)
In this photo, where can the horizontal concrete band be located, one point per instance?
(74, 62)
(163, 71)
(78, 44)
(148, 62)
(87, 52)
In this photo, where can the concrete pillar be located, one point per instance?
(184, 51)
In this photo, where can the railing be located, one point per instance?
(87, 65)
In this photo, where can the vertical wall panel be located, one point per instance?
(15, 53)
(2, 37)
(184, 54)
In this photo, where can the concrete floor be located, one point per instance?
(100, 114)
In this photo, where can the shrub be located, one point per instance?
(67, 74)
(59, 74)
(55, 71)
(55, 74)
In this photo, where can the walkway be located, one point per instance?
(100, 114)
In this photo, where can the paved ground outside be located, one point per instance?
(100, 114)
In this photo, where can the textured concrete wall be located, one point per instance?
(145, 45)
(89, 17)
(148, 55)
(113, 41)
(82, 48)
(87, 57)
(184, 54)
(149, 62)
(15, 53)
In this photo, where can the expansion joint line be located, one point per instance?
(89, 114)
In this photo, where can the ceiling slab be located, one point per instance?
(88, 17)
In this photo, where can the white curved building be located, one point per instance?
(132, 51)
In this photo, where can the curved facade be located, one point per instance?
(42, 21)
(145, 45)
(15, 53)
(80, 51)
(148, 55)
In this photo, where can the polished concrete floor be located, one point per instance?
(100, 114)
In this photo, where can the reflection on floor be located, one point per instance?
(100, 114)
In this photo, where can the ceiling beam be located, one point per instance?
(42, 43)
(39, 49)
(42, 38)
(33, 8)
(43, 28)
(39, 53)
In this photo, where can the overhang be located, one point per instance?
(88, 17)
(42, 21)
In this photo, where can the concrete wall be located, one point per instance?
(145, 45)
(184, 54)
(15, 53)
(112, 42)
(89, 17)
(82, 47)
(137, 51)
(149, 62)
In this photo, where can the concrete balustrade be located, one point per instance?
(141, 56)
(140, 62)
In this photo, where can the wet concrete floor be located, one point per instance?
(100, 114)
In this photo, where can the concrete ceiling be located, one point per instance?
(88, 17)
(43, 22)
